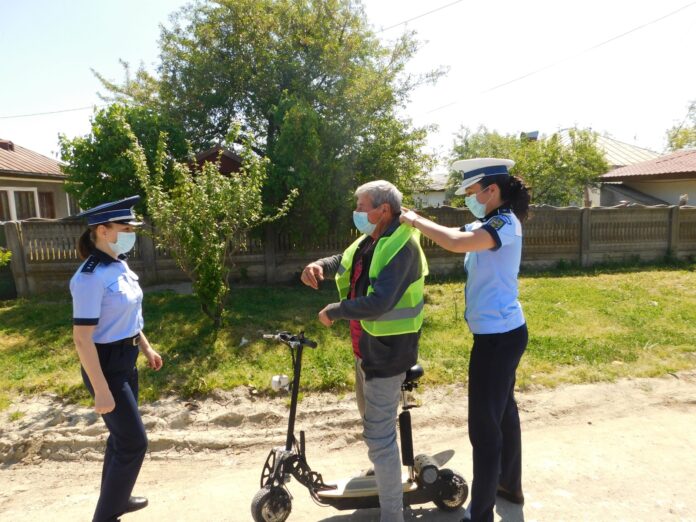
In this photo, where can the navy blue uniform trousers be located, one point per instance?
(127, 442)
(494, 423)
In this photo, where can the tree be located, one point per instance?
(684, 135)
(308, 81)
(556, 171)
(201, 216)
(96, 165)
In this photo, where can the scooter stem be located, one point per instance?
(293, 400)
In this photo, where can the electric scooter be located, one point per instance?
(425, 481)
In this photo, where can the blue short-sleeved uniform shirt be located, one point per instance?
(491, 290)
(106, 293)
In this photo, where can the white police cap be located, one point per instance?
(476, 169)
(120, 211)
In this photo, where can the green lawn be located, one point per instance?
(584, 327)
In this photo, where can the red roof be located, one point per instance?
(229, 161)
(678, 165)
(18, 160)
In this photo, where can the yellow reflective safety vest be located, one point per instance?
(407, 315)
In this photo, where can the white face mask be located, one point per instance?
(125, 241)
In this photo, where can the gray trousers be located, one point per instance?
(378, 402)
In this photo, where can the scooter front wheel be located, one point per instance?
(452, 490)
(271, 504)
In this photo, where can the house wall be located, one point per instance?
(432, 198)
(594, 196)
(60, 198)
(668, 191)
(610, 198)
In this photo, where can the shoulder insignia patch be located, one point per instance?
(496, 222)
(90, 265)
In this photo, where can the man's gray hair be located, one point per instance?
(382, 191)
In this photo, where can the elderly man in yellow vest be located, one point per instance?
(380, 281)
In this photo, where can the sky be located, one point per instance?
(622, 68)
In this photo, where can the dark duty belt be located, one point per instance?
(128, 341)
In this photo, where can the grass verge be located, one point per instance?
(584, 327)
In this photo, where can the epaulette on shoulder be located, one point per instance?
(90, 265)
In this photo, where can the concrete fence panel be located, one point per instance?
(44, 252)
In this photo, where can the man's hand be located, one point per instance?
(323, 318)
(408, 216)
(312, 275)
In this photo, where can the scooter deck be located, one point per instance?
(355, 487)
(366, 485)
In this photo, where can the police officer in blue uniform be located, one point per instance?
(493, 247)
(108, 334)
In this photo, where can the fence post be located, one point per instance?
(18, 265)
(585, 235)
(147, 255)
(673, 243)
(269, 253)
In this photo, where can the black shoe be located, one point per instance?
(135, 504)
(515, 498)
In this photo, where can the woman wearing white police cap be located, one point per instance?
(493, 247)
(107, 329)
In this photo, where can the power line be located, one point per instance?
(49, 112)
(558, 62)
(420, 16)
(495, 87)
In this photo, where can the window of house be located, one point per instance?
(18, 203)
(25, 204)
(5, 206)
(46, 205)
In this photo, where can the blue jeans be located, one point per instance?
(381, 396)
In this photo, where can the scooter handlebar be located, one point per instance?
(290, 339)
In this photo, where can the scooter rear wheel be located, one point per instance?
(452, 490)
(271, 504)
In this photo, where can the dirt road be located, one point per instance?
(621, 452)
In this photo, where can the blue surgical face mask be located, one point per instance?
(362, 223)
(477, 209)
(125, 241)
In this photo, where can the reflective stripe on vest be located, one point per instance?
(407, 315)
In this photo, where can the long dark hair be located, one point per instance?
(513, 192)
(86, 244)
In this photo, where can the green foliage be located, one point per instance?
(556, 172)
(200, 216)
(96, 164)
(308, 81)
(5, 256)
(684, 135)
